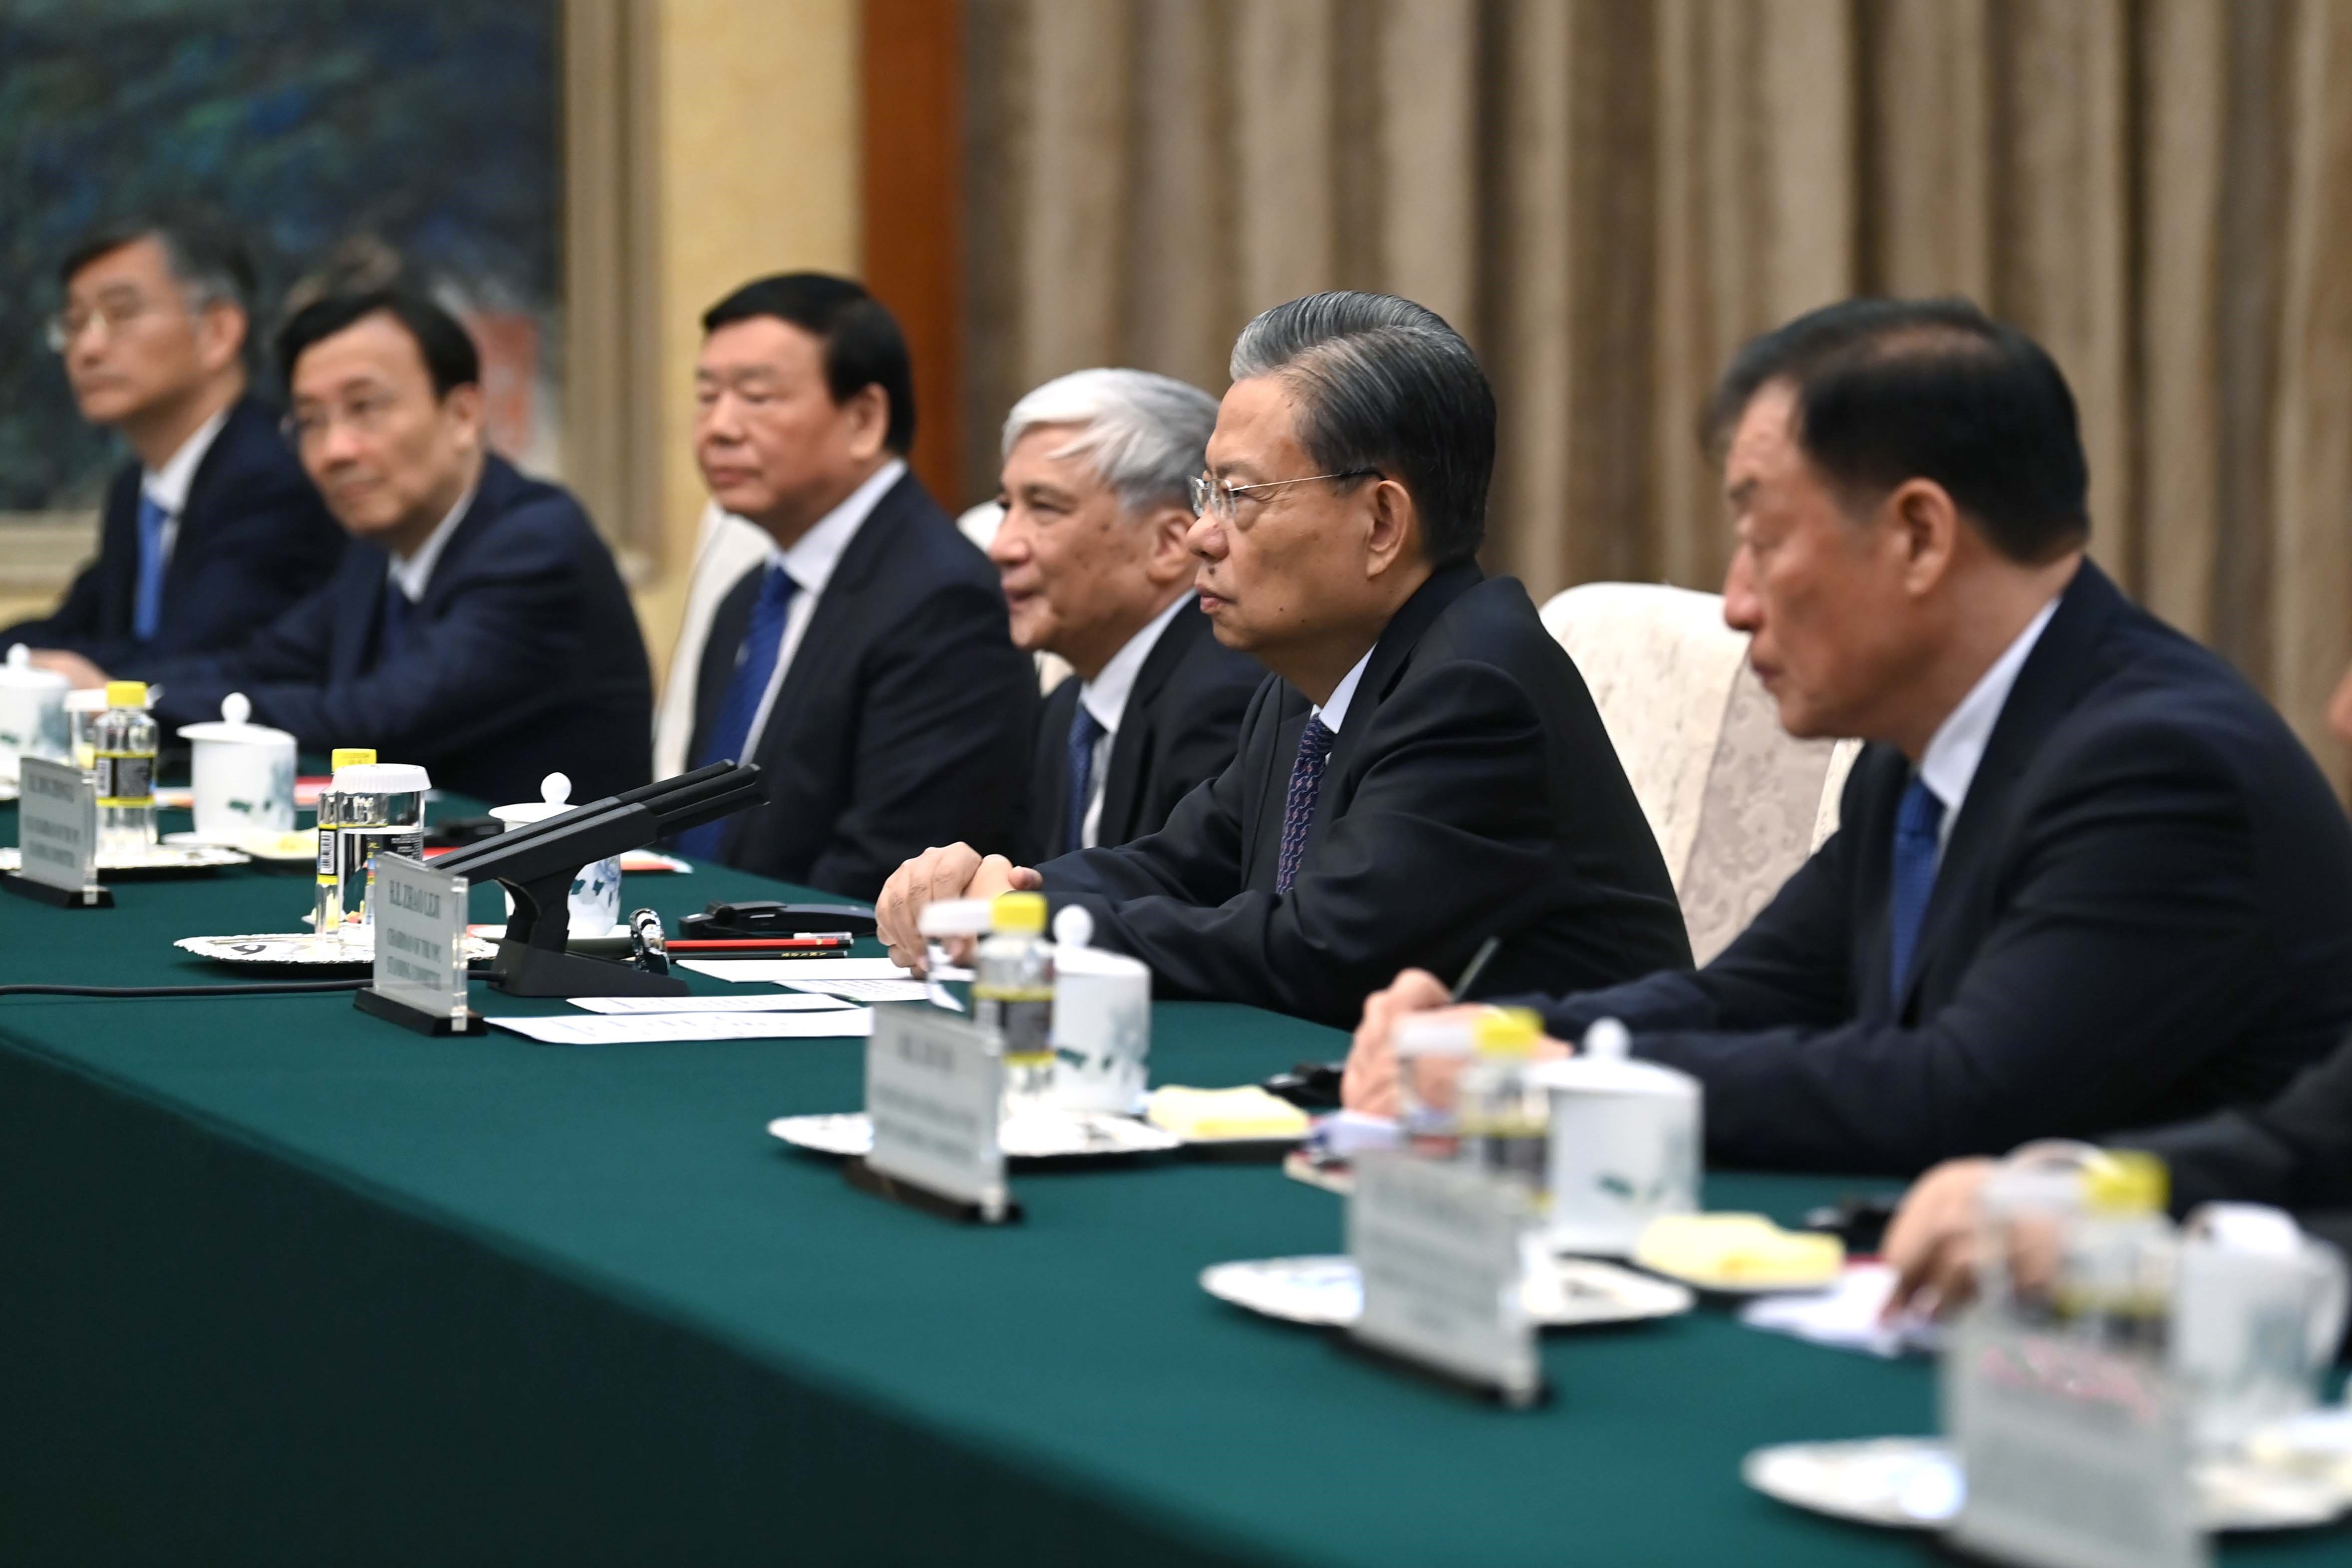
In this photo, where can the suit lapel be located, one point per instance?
(2061, 667)
(1261, 852)
(1131, 749)
(1391, 656)
(839, 607)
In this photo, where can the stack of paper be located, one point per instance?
(854, 979)
(1847, 1315)
(645, 1020)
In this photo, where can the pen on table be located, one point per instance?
(1477, 966)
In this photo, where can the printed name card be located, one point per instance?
(420, 938)
(934, 1091)
(1440, 1250)
(57, 827)
(2076, 1456)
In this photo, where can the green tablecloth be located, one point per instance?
(287, 1283)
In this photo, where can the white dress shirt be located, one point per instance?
(167, 487)
(1949, 764)
(1334, 710)
(1105, 697)
(810, 563)
(412, 575)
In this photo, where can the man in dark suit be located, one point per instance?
(2084, 878)
(477, 623)
(865, 666)
(1098, 465)
(214, 530)
(1429, 769)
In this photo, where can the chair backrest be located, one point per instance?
(726, 547)
(1736, 804)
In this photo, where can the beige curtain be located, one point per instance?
(1607, 195)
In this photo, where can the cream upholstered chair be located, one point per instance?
(726, 547)
(1734, 803)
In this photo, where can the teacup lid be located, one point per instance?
(18, 672)
(85, 700)
(555, 800)
(234, 725)
(1603, 1066)
(381, 778)
(2253, 1229)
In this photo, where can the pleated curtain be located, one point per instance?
(1606, 196)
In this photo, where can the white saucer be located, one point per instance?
(1073, 1137)
(1328, 1292)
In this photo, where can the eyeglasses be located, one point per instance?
(66, 328)
(363, 414)
(1218, 497)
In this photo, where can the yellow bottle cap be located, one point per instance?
(1507, 1032)
(2126, 1182)
(126, 694)
(1022, 914)
(350, 757)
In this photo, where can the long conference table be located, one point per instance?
(287, 1283)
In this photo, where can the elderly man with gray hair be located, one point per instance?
(1098, 465)
(1427, 769)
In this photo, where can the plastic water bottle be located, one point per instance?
(123, 754)
(1505, 1116)
(2115, 1276)
(1013, 994)
(327, 912)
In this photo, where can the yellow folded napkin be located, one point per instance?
(1202, 1114)
(1738, 1252)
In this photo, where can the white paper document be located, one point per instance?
(650, 1028)
(778, 1002)
(1845, 1316)
(863, 990)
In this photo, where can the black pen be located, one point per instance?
(1477, 966)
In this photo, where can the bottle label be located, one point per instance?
(126, 779)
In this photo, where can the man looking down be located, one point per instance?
(2084, 878)
(1426, 770)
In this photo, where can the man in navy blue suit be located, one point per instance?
(477, 623)
(2086, 879)
(866, 665)
(212, 530)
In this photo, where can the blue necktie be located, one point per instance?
(1915, 822)
(1315, 743)
(399, 615)
(147, 609)
(1084, 731)
(755, 662)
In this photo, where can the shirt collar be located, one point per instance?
(1105, 695)
(1949, 764)
(1333, 711)
(413, 575)
(167, 487)
(814, 555)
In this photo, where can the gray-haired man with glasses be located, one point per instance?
(1428, 770)
(213, 529)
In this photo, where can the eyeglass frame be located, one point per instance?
(1203, 488)
(60, 334)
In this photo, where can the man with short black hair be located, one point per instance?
(2085, 877)
(1428, 770)
(212, 530)
(477, 623)
(866, 664)
(1092, 553)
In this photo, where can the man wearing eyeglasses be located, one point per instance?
(1428, 771)
(212, 530)
(477, 623)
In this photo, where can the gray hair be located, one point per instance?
(1385, 385)
(1147, 435)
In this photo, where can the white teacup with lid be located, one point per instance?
(1624, 1143)
(242, 773)
(1102, 1021)
(32, 712)
(2257, 1308)
(595, 900)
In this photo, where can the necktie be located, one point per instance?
(147, 609)
(755, 663)
(1298, 810)
(399, 615)
(1915, 822)
(1084, 731)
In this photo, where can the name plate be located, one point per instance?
(935, 1093)
(2076, 1456)
(1440, 1249)
(56, 825)
(420, 938)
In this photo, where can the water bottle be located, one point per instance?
(122, 756)
(2115, 1269)
(1013, 994)
(327, 912)
(1504, 1115)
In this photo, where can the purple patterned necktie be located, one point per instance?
(1298, 810)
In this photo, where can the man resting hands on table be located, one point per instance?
(2085, 877)
(1425, 768)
